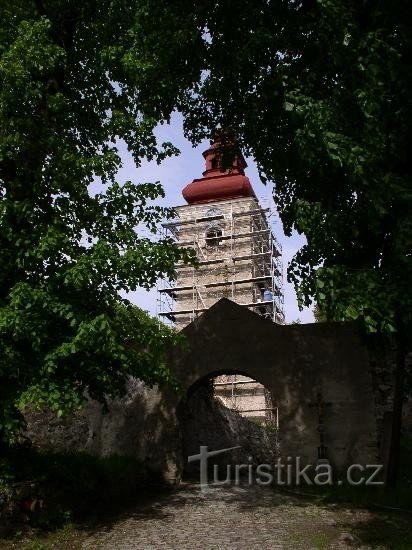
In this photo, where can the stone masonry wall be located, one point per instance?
(206, 421)
(227, 270)
(135, 426)
(296, 363)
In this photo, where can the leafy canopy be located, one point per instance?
(68, 96)
(318, 92)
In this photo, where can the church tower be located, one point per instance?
(239, 257)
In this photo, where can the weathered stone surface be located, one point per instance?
(133, 426)
(295, 363)
(51, 433)
(205, 421)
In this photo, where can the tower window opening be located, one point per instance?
(214, 237)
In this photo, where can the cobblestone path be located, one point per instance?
(232, 518)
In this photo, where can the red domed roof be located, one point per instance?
(227, 186)
(218, 184)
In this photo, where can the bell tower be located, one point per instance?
(230, 232)
(238, 258)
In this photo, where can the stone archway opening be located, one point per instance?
(226, 410)
(246, 396)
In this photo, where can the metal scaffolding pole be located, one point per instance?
(243, 244)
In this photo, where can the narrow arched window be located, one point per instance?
(214, 237)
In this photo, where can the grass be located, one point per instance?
(370, 496)
(389, 533)
(387, 529)
(67, 537)
(320, 541)
(79, 490)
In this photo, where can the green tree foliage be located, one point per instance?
(318, 92)
(319, 315)
(68, 95)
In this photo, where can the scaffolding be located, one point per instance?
(252, 400)
(232, 389)
(238, 257)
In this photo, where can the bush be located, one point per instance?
(76, 486)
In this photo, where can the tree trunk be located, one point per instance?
(394, 453)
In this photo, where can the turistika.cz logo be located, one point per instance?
(283, 473)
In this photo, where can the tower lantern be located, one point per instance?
(219, 181)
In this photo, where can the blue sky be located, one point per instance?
(174, 174)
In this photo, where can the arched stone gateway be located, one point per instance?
(332, 390)
(321, 376)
